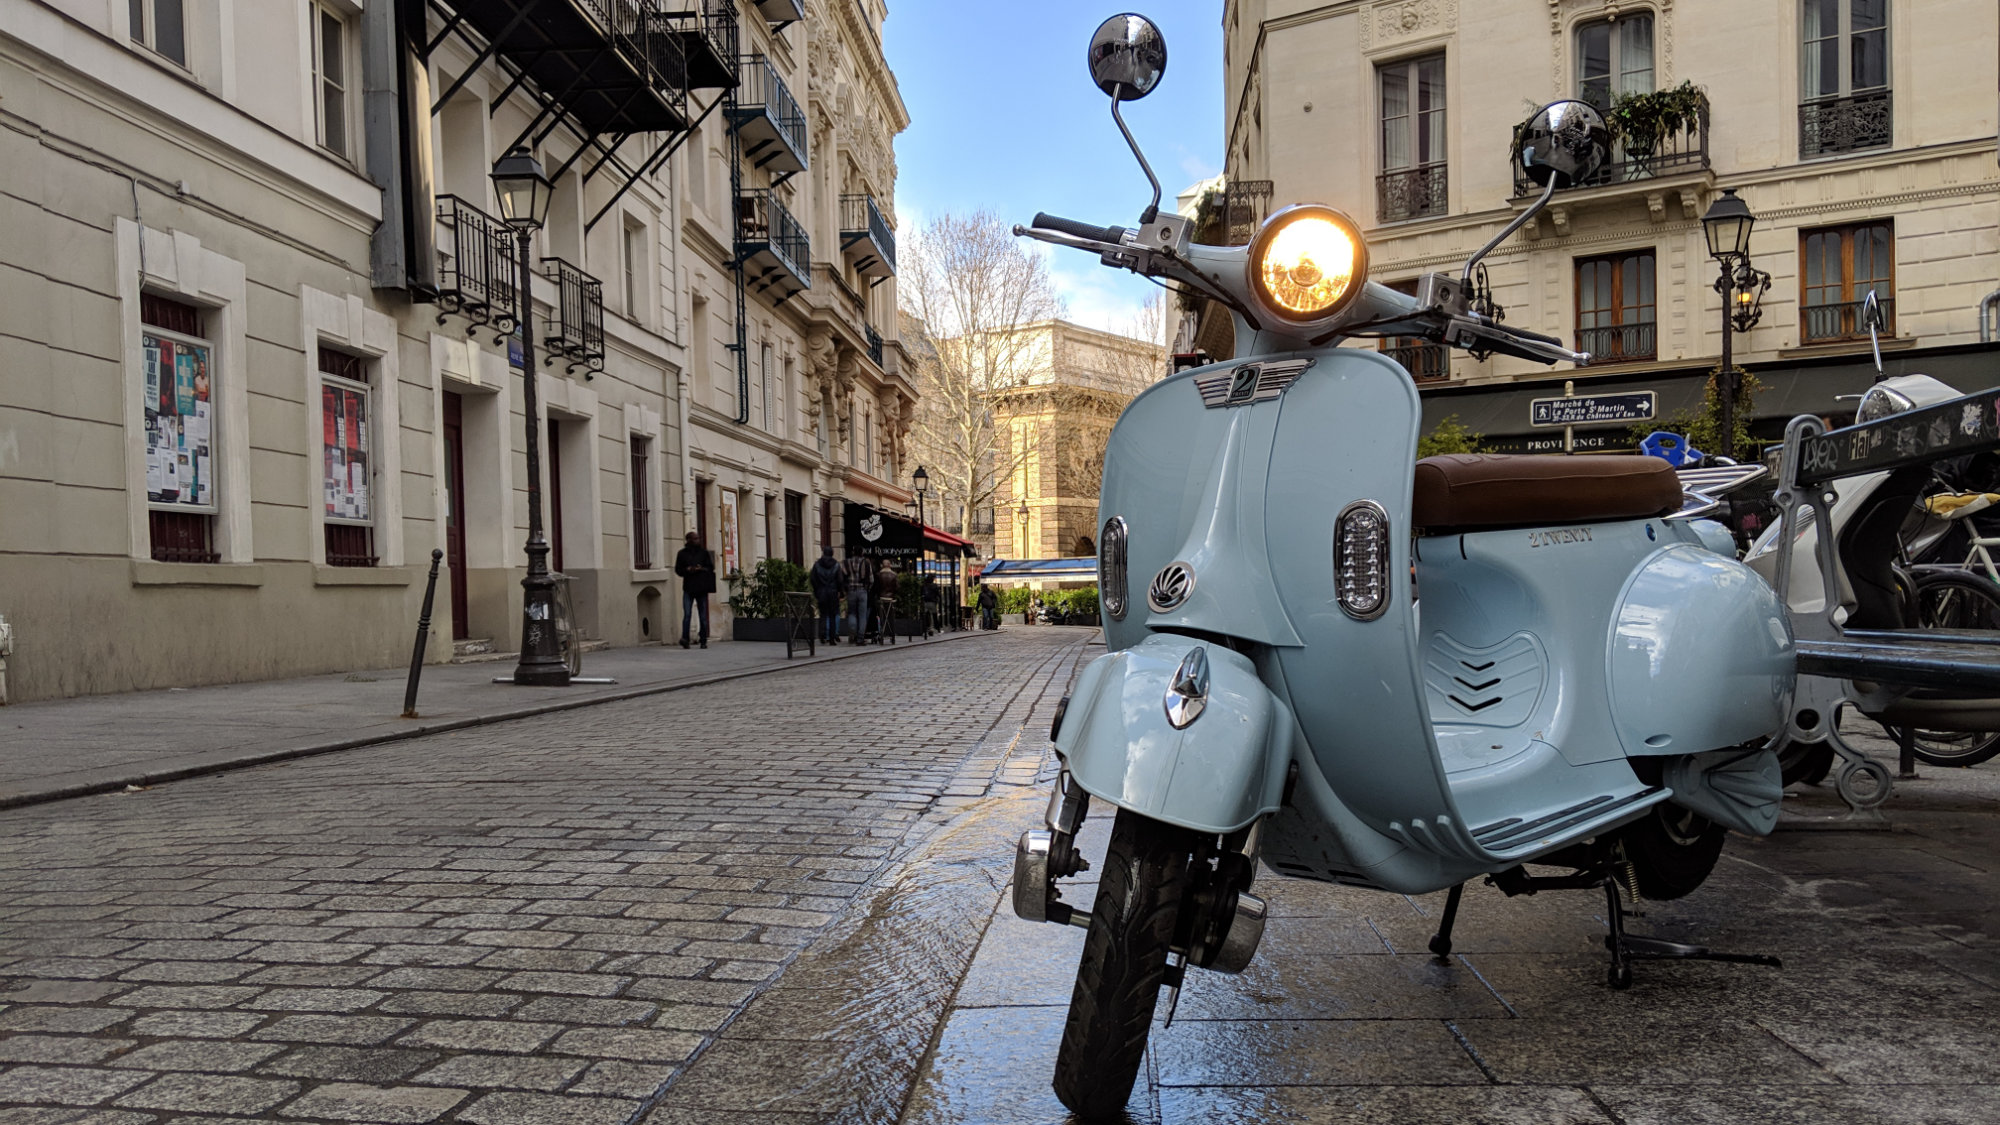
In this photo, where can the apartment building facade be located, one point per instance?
(262, 350)
(1861, 133)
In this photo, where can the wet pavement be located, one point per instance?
(1887, 1009)
(781, 901)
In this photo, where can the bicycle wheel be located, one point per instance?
(1956, 600)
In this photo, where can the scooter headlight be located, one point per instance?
(1308, 262)
(1881, 402)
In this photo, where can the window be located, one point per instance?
(795, 528)
(347, 463)
(701, 511)
(180, 430)
(642, 511)
(764, 379)
(1843, 77)
(1412, 183)
(330, 79)
(1841, 266)
(632, 260)
(1614, 58)
(1616, 317)
(162, 26)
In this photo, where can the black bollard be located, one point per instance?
(423, 635)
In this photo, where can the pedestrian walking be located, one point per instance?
(931, 598)
(886, 584)
(696, 566)
(827, 582)
(989, 607)
(860, 578)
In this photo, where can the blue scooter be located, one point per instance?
(1353, 672)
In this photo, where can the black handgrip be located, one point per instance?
(1536, 336)
(1045, 221)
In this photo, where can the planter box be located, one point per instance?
(759, 629)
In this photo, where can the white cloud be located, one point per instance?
(1197, 168)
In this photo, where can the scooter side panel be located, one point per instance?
(1225, 769)
(1701, 656)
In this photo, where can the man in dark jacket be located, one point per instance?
(989, 607)
(696, 566)
(827, 580)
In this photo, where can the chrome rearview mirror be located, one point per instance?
(1562, 145)
(1127, 57)
(1566, 142)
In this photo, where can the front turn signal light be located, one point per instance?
(1308, 262)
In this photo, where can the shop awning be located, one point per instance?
(1042, 570)
(944, 542)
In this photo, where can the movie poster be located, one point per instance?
(729, 555)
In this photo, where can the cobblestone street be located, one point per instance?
(543, 921)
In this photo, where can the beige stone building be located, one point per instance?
(1860, 132)
(1056, 415)
(258, 356)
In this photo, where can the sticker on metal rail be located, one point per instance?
(1250, 382)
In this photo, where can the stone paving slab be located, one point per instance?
(64, 748)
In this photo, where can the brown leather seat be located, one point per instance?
(1467, 491)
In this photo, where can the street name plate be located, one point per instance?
(1592, 410)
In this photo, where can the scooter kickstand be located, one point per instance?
(1625, 948)
(1441, 941)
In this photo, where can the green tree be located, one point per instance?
(1448, 436)
(1702, 426)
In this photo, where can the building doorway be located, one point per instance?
(795, 528)
(454, 512)
(552, 457)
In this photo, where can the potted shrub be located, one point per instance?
(757, 599)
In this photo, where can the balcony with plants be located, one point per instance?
(1659, 139)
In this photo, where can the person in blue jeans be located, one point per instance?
(696, 566)
(828, 582)
(860, 578)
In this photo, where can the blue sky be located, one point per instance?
(1004, 117)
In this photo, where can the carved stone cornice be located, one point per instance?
(1391, 23)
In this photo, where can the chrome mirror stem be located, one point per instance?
(1521, 220)
(1153, 208)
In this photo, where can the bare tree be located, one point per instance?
(1099, 383)
(968, 288)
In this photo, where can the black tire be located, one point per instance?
(1807, 762)
(1672, 850)
(1955, 600)
(1124, 964)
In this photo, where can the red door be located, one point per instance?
(454, 512)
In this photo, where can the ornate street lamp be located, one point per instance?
(920, 482)
(1021, 515)
(524, 191)
(1727, 226)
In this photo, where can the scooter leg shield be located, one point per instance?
(1222, 768)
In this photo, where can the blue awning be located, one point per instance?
(1046, 570)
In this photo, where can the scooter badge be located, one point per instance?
(1187, 695)
(1170, 587)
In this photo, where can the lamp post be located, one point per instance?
(1021, 515)
(920, 482)
(1727, 225)
(524, 190)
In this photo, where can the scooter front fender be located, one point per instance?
(1222, 771)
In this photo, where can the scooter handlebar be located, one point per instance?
(1046, 221)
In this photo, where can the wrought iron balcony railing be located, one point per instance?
(865, 236)
(1831, 126)
(1619, 343)
(874, 343)
(1822, 324)
(1411, 193)
(611, 65)
(704, 35)
(576, 332)
(1683, 150)
(773, 247)
(1244, 205)
(1426, 362)
(772, 126)
(476, 265)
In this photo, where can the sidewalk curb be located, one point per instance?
(421, 727)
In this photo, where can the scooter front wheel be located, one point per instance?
(1124, 964)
